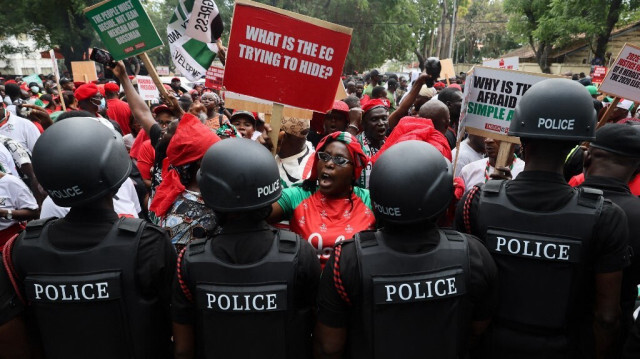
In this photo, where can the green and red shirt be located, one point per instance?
(325, 221)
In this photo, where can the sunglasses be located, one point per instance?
(338, 160)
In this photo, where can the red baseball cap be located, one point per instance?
(86, 91)
(112, 87)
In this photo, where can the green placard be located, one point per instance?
(124, 27)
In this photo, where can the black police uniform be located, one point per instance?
(632, 347)
(249, 292)
(96, 286)
(549, 241)
(10, 304)
(618, 192)
(392, 295)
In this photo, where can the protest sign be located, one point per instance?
(124, 27)
(147, 88)
(84, 71)
(205, 23)
(285, 57)
(341, 93)
(214, 77)
(623, 78)
(490, 97)
(163, 70)
(56, 74)
(190, 56)
(598, 74)
(509, 63)
(32, 78)
(447, 70)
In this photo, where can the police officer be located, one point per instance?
(94, 285)
(610, 163)
(559, 251)
(247, 291)
(408, 290)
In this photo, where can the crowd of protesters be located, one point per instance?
(325, 166)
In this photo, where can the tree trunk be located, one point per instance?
(441, 30)
(421, 59)
(542, 56)
(431, 44)
(615, 7)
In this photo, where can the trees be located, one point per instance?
(59, 23)
(547, 23)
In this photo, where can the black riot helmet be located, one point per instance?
(411, 182)
(555, 109)
(238, 175)
(80, 160)
(432, 67)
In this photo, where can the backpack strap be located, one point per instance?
(466, 209)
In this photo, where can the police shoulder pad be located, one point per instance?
(287, 241)
(590, 197)
(34, 228)
(493, 186)
(367, 238)
(196, 246)
(131, 225)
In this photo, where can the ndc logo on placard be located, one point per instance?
(270, 189)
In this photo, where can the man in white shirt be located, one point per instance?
(480, 171)
(18, 128)
(471, 149)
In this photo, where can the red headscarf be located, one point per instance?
(191, 140)
(416, 128)
(360, 160)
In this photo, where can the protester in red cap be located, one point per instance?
(375, 124)
(177, 204)
(335, 120)
(456, 86)
(439, 86)
(90, 100)
(328, 207)
(176, 86)
(117, 109)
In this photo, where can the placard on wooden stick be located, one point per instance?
(84, 71)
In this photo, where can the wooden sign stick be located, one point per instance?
(276, 124)
(154, 75)
(608, 112)
(504, 151)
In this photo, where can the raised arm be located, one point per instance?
(405, 105)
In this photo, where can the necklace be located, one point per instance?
(486, 169)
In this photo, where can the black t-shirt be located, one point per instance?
(334, 312)
(547, 191)
(245, 244)
(618, 192)
(451, 138)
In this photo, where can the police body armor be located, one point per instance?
(540, 258)
(414, 305)
(248, 310)
(85, 302)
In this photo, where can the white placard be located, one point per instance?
(491, 96)
(623, 78)
(147, 88)
(508, 63)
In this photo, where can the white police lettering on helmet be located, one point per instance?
(244, 302)
(267, 190)
(407, 292)
(388, 211)
(71, 292)
(556, 124)
(66, 192)
(534, 249)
